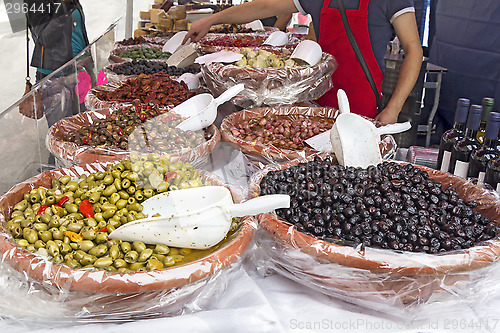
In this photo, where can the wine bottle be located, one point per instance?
(492, 176)
(480, 157)
(462, 149)
(487, 105)
(453, 135)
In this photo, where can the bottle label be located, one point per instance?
(445, 164)
(461, 169)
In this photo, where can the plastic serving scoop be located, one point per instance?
(184, 56)
(201, 110)
(221, 56)
(191, 80)
(174, 42)
(255, 25)
(196, 218)
(308, 51)
(277, 38)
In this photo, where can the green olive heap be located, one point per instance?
(139, 127)
(143, 52)
(70, 222)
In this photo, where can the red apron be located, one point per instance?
(349, 74)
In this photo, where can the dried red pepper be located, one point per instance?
(86, 208)
(105, 229)
(62, 201)
(170, 175)
(42, 209)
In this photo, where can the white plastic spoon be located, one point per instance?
(191, 80)
(308, 51)
(196, 218)
(255, 25)
(201, 110)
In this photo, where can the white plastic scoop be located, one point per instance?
(201, 110)
(308, 51)
(255, 25)
(277, 38)
(191, 80)
(174, 42)
(196, 218)
(355, 139)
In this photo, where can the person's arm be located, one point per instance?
(407, 32)
(239, 14)
(282, 21)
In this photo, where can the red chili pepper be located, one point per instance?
(62, 201)
(142, 116)
(85, 141)
(120, 132)
(105, 229)
(86, 208)
(170, 175)
(42, 209)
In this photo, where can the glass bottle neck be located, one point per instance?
(471, 133)
(490, 143)
(459, 126)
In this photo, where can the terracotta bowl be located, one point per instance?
(70, 153)
(375, 274)
(65, 278)
(270, 152)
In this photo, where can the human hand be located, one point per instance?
(388, 116)
(199, 28)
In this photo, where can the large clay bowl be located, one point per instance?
(70, 153)
(375, 274)
(273, 153)
(66, 278)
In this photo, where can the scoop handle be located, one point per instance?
(228, 94)
(264, 204)
(393, 128)
(343, 102)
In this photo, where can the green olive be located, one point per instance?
(154, 264)
(75, 226)
(178, 257)
(45, 218)
(126, 183)
(118, 184)
(114, 252)
(138, 246)
(135, 207)
(52, 248)
(137, 266)
(39, 243)
(55, 222)
(162, 187)
(27, 223)
(88, 259)
(89, 234)
(109, 190)
(113, 199)
(64, 179)
(103, 200)
(94, 197)
(34, 197)
(30, 235)
(65, 248)
(108, 180)
(138, 195)
(40, 226)
(120, 204)
(145, 255)
(131, 256)
(45, 236)
(101, 238)
(169, 261)
(133, 176)
(90, 222)
(79, 254)
(85, 245)
(185, 251)
(116, 174)
(161, 249)
(72, 263)
(21, 205)
(123, 195)
(120, 263)
(72, 186)
(160, 257)
(58, 234)
(126, 247)
(99, 250)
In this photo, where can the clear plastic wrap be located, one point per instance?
(35, 288)
(272, 86)
(395, 283)
(233, 42)
(69, 153)
(387, 145)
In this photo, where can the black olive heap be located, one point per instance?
(389, 206)
(136, 67)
